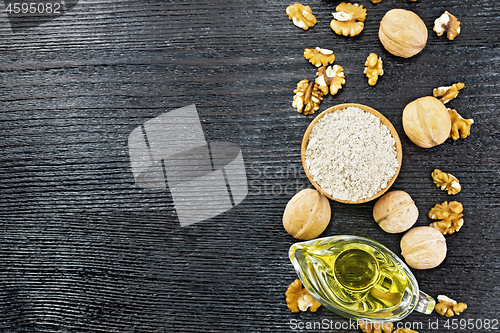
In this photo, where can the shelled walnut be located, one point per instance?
(450, 216)
(449, 307)
(319, 56)
(370, 327)
(330, 79)
(308, 97)
(447, 23)
(301, 16)
(446, 94)
(348, 20)
(460, 127)
(446, 181)
(298, 298)
(373, 68)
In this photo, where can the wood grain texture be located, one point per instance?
(82, 249)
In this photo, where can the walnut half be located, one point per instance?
(447, 23)
(373, 68)
(330, 78)
(319, 57)
(308, 97)
(446, 181)
(349, 19)
(298, 298)
(449, 307)
(460, 127)
(301, 16)
(450, 216)
(446, 94)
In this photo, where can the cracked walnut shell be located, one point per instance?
(449, 307)
(330, 79)
(460, 127)
(423, 247)
(446, 181)
(319, 57)
(348, 20)
(450, 216)
(371, 327)
(298, 298)
(308, 97)
(447, 23)
(402, 32)
(301, 16)
(446, 94)
(373, 68)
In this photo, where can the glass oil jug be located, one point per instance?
(358, 278)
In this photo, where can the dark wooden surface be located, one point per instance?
(82, 249)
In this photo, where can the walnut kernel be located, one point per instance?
(423, 247)
(348, 19)
(447, 23)
(446, 181)
(450, 214)
(298, 298)
(449, 307)
(446, 94)
(301, 16)
(460, 127)
(373, 68)
(308, 97)
(330, 78)
(319, 57)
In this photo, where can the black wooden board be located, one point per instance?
(83, 249)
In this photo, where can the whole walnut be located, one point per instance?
(307, 214)
(395, 212)
(426, 122)
(423, 247)
(402, 32)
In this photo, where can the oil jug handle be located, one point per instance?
(425, 303)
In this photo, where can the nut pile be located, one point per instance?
(329, 79)
(426, 121)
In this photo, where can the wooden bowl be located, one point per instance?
(383, 119)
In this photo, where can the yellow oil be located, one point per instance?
(355, 277)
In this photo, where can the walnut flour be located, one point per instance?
(351, 154)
